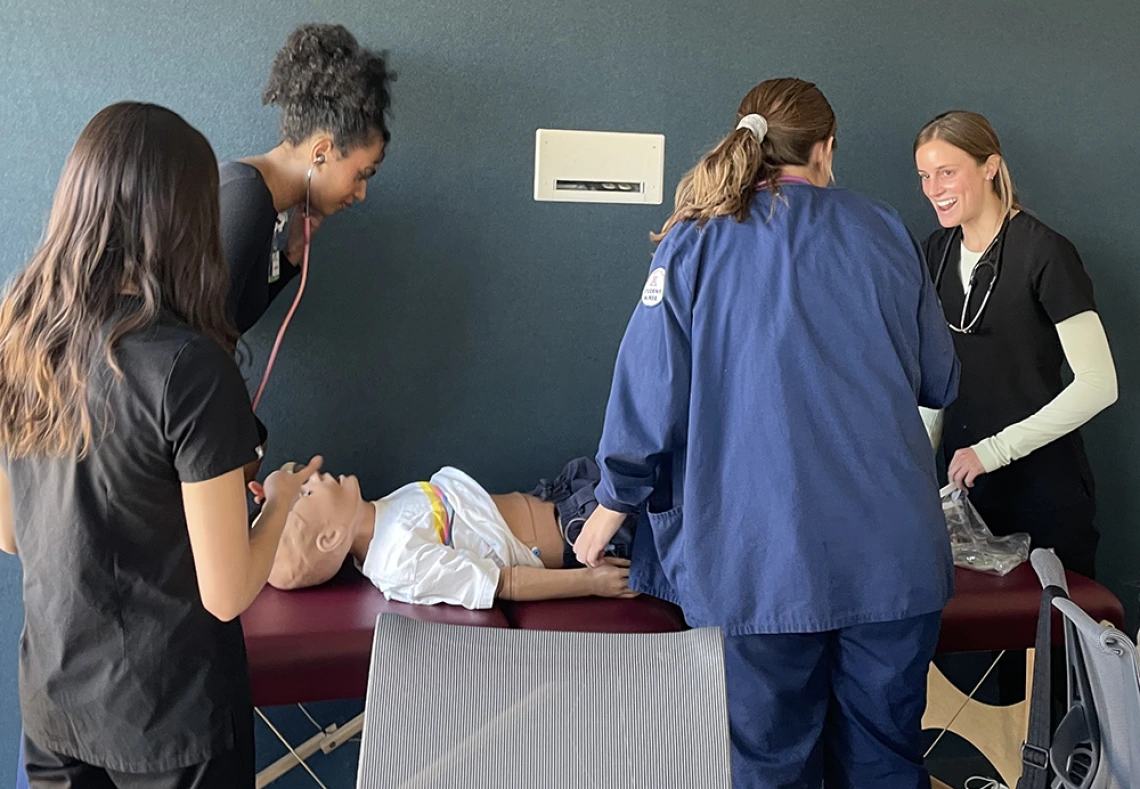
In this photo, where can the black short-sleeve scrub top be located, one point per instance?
(121, 666)
(1012, 362)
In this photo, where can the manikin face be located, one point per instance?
(318, 533)
(955, 184)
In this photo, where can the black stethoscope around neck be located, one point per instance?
(990, 259)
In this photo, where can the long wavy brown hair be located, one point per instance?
(136, 212)
(724, 181)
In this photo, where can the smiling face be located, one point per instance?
(954, 182)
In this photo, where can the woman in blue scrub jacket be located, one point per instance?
(764, 408)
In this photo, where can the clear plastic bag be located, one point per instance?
(974, 546)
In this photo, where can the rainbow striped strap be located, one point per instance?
(442, 512)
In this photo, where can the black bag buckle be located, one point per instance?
(1035, 756)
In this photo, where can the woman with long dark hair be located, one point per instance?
(124, 428)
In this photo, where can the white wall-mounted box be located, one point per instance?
(598, 167)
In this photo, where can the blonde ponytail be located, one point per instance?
(725, 180)
(721, 184)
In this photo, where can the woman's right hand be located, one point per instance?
(283, 487)
(600, 528)
(965, 467)
(295, 245)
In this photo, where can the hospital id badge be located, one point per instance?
(275, 256)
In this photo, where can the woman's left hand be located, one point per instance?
(965, 467)
(295, 246)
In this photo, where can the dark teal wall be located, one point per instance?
(450, 318)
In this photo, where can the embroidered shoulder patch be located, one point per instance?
(654, 289)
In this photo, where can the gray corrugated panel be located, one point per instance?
(469, 708)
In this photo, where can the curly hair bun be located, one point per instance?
(322, 79)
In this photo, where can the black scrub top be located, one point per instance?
(120, 664)
(1012, 364)
(250, 229)
(249, 232)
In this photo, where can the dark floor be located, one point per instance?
(954, 768)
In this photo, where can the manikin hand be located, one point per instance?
(965, 467)
(600, 528)
(611, 578)
(295, 246)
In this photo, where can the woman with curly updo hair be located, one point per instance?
(333, 96)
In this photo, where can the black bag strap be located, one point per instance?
(1035, 770)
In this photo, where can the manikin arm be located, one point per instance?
(610, 579)
(440, 574)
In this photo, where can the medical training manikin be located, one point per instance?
(449, 541)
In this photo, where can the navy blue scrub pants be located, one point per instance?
(841, 709)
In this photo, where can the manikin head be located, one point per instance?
(319, 532)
